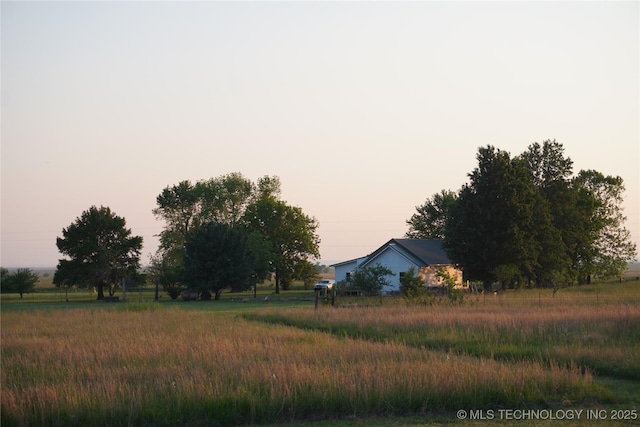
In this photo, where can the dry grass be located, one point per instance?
(122, 367)
(604, 338)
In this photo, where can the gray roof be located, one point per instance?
(424, 252)
(348, 262)
(427, 251)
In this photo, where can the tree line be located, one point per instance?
(519, 221)
(223, 233)
(22, 281)
(529, 221)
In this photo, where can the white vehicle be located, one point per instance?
(324, 284)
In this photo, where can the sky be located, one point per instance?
(364, 110)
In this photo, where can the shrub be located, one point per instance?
(371, 279)
(411, 285)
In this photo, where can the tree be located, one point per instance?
(222, 199)
(5, 281)
(225, 198)
(268, 187)
(553, 265)
(429, 222)
(612, 247)
(179, 207)
(24, 281)
(547, 164)
(301, 269)
(218, 256)
(101, 252)
(489, 232)
(371, 279)
(527, 219)
(321, 268)
(262, 257)
(291, 235)
(185, 207)
(556, 213)
(166, 271)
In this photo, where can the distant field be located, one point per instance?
(46, 277)
(376, 361)
(633, 271)
(46, 274)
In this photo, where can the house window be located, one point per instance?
(402, 273)
(348, 277)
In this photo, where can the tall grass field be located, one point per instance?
(158, 364)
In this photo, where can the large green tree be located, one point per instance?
(179, 206)
(527, 219)
(611, 246)
(557, 215)
(225, 198)
(100, 251)
(185, 206)
(221, 199)
(489, 232)
(218, 256)
(430, 219)
(291, 235)
(585, 213)
(282, 238)
(547, 163)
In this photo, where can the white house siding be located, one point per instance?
(395, 262)
(343, 268)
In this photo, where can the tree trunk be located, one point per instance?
(277, 282)
(100, 289)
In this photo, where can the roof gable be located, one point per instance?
(427, 251)
(421, 252)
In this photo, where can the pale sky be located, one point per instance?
(363, 109)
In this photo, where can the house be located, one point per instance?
(399, 255)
